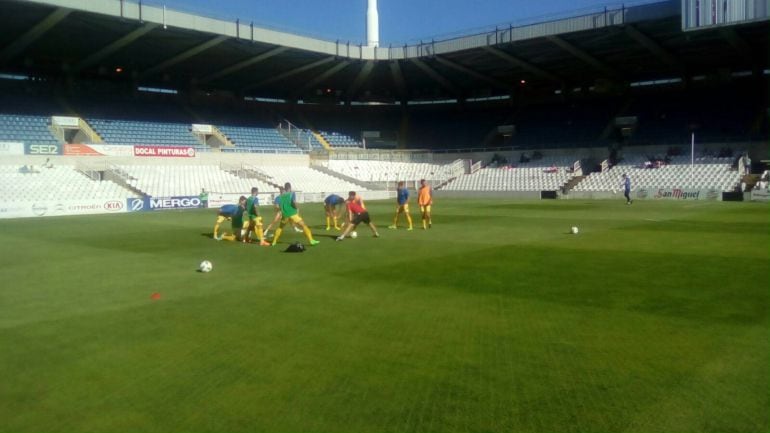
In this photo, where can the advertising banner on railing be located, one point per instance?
(760, 195)
(42, 149)
(11, 148)
(678, 194)
(24, 209)
(160, 203)
(97, 150)
(165, 151)
(66, 121)
(198, 128)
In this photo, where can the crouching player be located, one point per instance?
(357, 214)
(332, 204)
(233, 213)
(254, 223)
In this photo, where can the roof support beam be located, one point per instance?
(290, 73)
(184, 56)
(472, 73)
(398, 80)
(324, 75)
(653, 47)
(243, 64)
(363, 74)
(436, 76)
(114, 46)
(529, 67)
(33, 34)
(738, 43)
(582, 55)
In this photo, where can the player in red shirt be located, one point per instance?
(357, 214)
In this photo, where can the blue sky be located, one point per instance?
(400, 20)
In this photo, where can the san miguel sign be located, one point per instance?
(678, 194)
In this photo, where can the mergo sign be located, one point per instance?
(159, 203)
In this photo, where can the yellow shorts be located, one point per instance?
(294, 218)
(403, 208)
(425, 208)
(257, 221)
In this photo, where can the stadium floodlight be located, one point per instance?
(372, 25)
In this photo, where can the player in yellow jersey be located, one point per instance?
(425, 200)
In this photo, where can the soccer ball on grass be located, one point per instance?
(574, 230)
(353, 235)
(205, 266)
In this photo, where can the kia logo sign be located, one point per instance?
(39, 209)
(113, 206)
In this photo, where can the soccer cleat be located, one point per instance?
(328, 228)
(392, 227)
(264, 244)
(314, 242)
(339, 238)
(337, 228)
(376, 235)
(297, 229)
(410, 229)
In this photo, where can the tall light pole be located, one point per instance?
(372, 25)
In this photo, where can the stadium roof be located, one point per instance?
(152, 46)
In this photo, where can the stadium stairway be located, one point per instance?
(121, 177)
(750, 180)
(247, 172)
(572, 183)
(321, 139)
(368, 185)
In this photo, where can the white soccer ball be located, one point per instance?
(205, 266)
(574, 230)
(353, 235)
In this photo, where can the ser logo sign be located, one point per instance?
(43, 149)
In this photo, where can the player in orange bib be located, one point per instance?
(425, 200)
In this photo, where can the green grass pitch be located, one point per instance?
(653, 318)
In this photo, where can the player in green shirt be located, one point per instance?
(290, 213)
(254, 223)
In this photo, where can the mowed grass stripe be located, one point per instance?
(494, 320)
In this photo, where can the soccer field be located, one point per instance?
(653, 318)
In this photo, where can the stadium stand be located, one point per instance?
(387, 171)
(188, 180)
(25, 129)
(547, 173)
(142, 132)
(306, 179)
(256, 138)
(556, 101)
(58, 182)
(707, 173)
(337, 139)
